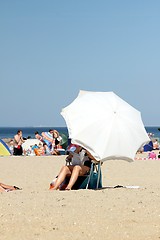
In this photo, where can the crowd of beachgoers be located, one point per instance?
(152, 148)
(45, 143)
(50, 143)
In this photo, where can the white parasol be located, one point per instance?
(29, 143)
(104, 124)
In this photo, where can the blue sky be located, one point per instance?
(49, 50)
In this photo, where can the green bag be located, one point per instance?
(94, 179)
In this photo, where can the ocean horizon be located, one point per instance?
(9, 132)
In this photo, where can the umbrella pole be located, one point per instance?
(91, 174)
(91, 170)
(99, 174)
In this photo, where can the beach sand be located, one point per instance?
(110, 213)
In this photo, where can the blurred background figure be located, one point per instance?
(18, 141)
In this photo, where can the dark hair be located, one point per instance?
(50, 130)
(19, 131)
(36, 133)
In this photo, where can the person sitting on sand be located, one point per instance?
(155, 144)
(40, 149)
(57, 140)
(7, 188)
(49, 151)
(80, 164)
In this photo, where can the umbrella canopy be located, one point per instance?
(104, 124)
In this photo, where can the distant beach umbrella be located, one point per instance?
(64, 141)
(29, 143)
(107, 126)
(4, 149)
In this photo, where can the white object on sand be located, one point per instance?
(30, 142)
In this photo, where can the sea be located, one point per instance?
(9, 132)
(28, 132)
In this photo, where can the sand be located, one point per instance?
(110, 213)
